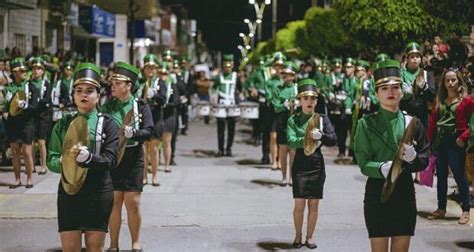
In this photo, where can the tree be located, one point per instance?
(325, 33)
(390, 24)
(462, 11)
(293, 36)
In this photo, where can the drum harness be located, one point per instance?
(229, 95)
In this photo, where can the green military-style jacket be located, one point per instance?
(377, 140)
(296, 129)
(281, 94)
(271, 85)
(349, 84)
(10, 90)
(59, 132)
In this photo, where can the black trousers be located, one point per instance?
(174, 138)
(230, 132)
(266, 120)
(183, 113)
(342, 125)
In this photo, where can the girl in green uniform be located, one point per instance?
(377, 142)
(87, 208)
(308, 172)
(283, 101)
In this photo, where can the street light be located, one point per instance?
(259, 9)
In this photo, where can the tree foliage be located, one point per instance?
(325, 32)
(390, 24)
(291, 37)
(461, 11)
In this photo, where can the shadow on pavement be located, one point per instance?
(248, 161)
(198, 153)
(465, 244)
(343, 161)
(424, 215)
(266, 182)
(273, 246)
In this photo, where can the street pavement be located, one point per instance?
(226, 204)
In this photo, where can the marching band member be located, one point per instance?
(153, 91)
(19, 113)
(66, 87)
(307, 130)
(269, 135)
(127, 177)
(284, 102)
(227, 86)
(383, 154)
(418, 85)
(44, 114)
(61, 89)
(84, 206)
(363, 98)
(169, 115)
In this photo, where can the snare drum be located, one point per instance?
(218, 111)
(233, 111)
(204, 108)
(249, 110)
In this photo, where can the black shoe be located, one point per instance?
(297, 245)
(265, 160)
(155, 184)
(29, 186)
(15, 186)
(220, 154)
(229, 153)
(310, 245)
(183, 132)
(172, 162)
(42, 172)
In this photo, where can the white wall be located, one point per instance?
(27, 22)
(120, 41)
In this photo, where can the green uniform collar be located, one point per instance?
(92, 113)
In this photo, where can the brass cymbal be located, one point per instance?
(309, 143)
(397, 165)
(14, 104)
(73, 175)
(127, 121)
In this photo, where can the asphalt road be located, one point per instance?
(226, 204)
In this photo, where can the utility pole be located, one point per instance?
(131, 27)
(274, 17)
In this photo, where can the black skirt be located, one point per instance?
(397, 216)
(43, 124)
(128, 175)
(19, 131)
(89, 212)
(281, 122)
(169, 120)
(157, 122)
(308, 175)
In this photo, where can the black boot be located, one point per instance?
(220, 153)
(229, 153)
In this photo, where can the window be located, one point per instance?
(20, 42)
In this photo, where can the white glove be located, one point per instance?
(316, 134)
(423, 85)
(409, 153)
(385, 168)
(84, 155)
(9, 96)
(128, 131)
(22, 104)
(297, 103)
(150, 93)
(348, 111)
(331, 96)
(286, 104)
